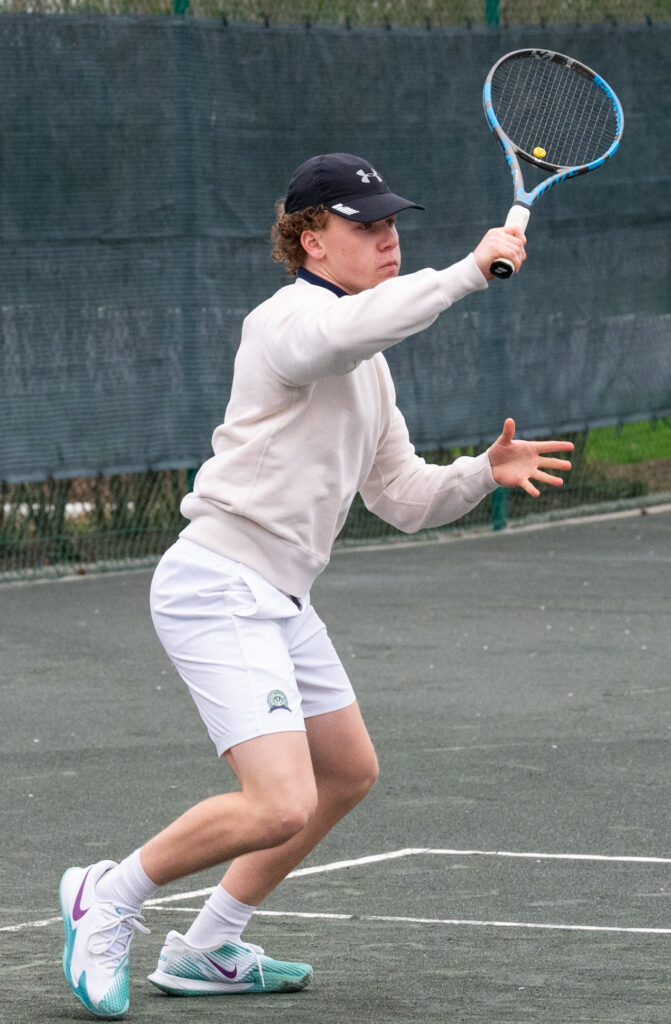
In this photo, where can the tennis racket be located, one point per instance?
(556, 114)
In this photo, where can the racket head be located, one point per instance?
(554, 104)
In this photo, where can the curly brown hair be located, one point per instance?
(286, 234)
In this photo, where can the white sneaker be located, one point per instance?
(97, 937)
(234, 967)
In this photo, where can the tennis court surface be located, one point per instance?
(514, 861)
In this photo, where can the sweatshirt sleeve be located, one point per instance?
(410, 494)
(318, 338)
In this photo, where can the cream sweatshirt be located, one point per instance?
(312, 420)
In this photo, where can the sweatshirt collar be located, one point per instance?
(307, 275)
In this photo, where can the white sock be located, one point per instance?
(222, 919)
(127, 883)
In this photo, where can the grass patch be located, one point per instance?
(630, 443)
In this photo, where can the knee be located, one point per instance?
(354, 783)
(368, 776)
(283, 817)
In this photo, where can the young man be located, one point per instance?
(311, 421)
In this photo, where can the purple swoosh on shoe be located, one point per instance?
(77, 911)
(222, 970)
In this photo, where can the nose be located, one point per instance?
(389, 237)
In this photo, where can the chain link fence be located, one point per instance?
(75, 526)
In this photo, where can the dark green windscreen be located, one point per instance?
(140, 162)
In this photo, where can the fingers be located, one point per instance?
(547, 478)
(500, 243)
(539, 447)
(527, 486)
(543, 478)
(555, 464)
(508, 431)
(555, 446)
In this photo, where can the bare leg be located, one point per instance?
(345, 768)
(277, 800)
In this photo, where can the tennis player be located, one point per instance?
(312, 420)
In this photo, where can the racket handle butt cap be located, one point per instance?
(502, 268)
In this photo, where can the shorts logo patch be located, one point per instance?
(277, 699)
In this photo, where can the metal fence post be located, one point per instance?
(492, 13)
(500, 508)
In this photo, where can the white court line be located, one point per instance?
(340, 865)
(550, 856)
(386, 919)
(31, 924)
(377, 858)
(455, 922)
(318, 869)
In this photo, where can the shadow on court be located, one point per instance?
(518, 690)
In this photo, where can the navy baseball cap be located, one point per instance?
(345, 185)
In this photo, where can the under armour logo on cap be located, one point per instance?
(367, 175)
(346, 185)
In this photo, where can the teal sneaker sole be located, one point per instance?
(174, 985)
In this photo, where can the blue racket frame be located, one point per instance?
(512, 152)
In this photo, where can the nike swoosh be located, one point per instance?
(77, 911)
(222, 970)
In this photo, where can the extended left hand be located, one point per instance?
(517, 463)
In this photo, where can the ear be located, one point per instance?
(312, 243)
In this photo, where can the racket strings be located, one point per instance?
(540, 103)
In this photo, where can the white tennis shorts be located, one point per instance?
(254, 661)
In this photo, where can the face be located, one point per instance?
(351, 255)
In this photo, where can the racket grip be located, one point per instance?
(518, 216)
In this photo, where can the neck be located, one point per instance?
(316, 267)
(314, 278)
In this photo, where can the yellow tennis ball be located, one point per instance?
(539, 152)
